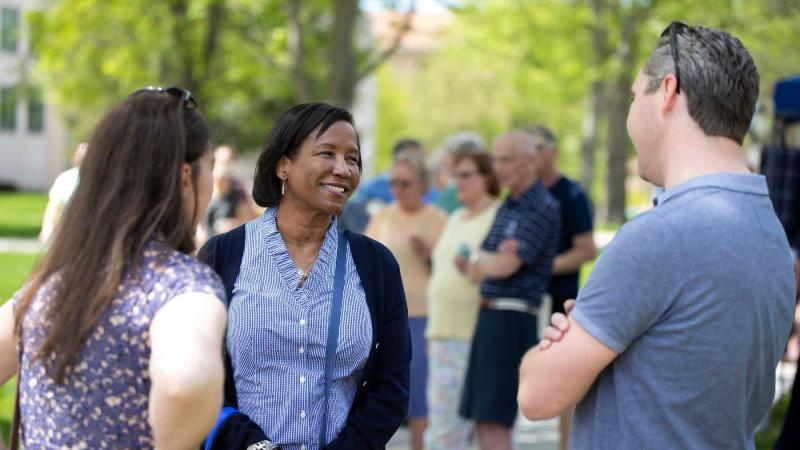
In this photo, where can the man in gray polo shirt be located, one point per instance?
(674, 340)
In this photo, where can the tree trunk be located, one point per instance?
(591, 119)
(215, 13)
(594, 106)
(617, 138)
(302, 91)
(180, 34)
(343, 55)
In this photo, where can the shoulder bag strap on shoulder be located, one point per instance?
(333, 327)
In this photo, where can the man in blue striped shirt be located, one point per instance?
(513, 267)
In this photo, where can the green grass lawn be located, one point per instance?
(765, 440)
(21, 214)
(14, 269)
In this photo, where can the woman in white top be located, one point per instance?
(454, 300)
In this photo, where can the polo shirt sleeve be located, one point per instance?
(580, 211)
(632, 286)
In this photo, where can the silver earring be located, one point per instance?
(283, 187)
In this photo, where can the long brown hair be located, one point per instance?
(129, 192)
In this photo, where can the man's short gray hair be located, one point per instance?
(417, 164)
(542, 134)
(717, 74)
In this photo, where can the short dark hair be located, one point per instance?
(717, 74)
(405, 144)
(484, 164)
(285, 139)
(542, 133)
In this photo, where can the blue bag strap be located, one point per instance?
(223, 415)
(333, 327)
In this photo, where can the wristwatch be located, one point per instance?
(475, 258)
(264, 445)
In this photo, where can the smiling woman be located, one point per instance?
(280, 289)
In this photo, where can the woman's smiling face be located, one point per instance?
(325, 170)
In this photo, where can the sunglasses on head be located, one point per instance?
(183, 95)
(673, 29)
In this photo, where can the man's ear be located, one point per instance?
(669, 87)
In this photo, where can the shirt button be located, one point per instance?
(302, 350)
(377, 345)
(364, 384)
(303, 447)
(302, 414)
(302, 321)
(302, 379)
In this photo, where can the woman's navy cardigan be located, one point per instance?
(381, 401)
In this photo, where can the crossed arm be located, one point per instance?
(554, 376)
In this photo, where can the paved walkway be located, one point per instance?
(18, 245)
(544, 435)
(527, 436)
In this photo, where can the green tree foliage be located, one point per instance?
(235, 56)
(91, 53)
(506, 63)
(496, 69)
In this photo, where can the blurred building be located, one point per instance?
(408, 49)
(423, 36)
(32, 138)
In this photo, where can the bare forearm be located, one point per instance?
(186, 370)
(572, 260)
(182, 417)
(582, 251)
(495, 265)
(553, 380)
(8, 351)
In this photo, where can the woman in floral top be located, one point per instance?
(117, 332)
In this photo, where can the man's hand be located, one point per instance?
(559, 325)
(462, 264)
(508, 247)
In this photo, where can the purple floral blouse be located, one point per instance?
(103, 402)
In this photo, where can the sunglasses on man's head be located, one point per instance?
(184, 95)
(673, 29)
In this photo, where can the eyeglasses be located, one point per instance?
(673, 29)
(402, 184)
(185, 96)
(464, 175)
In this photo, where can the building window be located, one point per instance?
(8, 109)
(35, 111)
(9, 29)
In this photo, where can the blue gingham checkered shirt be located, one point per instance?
(277, 336)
